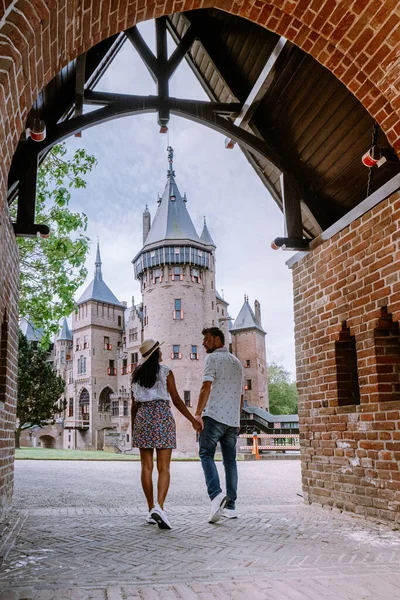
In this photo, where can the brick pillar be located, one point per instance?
(8, 354)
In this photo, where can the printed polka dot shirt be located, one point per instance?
(225, 372)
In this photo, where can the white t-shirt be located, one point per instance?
(225, 372)
(157, 392)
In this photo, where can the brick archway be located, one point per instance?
(358, 43)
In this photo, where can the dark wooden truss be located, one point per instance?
(258, 86)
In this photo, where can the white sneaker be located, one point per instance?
(160, 517)
(230, 513)
(150, 520)
(217, 507)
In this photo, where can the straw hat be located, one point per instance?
(147, 348)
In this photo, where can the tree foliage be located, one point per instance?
(53, 268)
(282, 391)
(39, 387)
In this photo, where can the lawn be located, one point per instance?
(50, 454)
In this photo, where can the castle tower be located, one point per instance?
(248, 344)
(97, 325)
(176, 270)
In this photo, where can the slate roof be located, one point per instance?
(206, 236)
(97, 288)
(220, 298)
(264, 414)
(246, 319)
(32, 333)
(65, 332)
(172, 220)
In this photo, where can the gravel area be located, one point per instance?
(117, 484)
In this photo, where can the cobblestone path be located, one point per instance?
(289, 552)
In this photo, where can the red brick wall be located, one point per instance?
(351, 454)
(8, 355)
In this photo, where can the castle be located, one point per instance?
(176, 271)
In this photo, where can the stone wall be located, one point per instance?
(347, 312)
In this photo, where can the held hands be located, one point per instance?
(198, 425)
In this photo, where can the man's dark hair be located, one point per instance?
(215, 332)
(146, 373)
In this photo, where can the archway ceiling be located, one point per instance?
(314, 129)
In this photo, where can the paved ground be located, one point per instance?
(94, 545)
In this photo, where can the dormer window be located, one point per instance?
(172, 198)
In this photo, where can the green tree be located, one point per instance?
(39, 388)
(53, 268)
(282, 391)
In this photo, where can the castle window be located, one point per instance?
(186, 397)
(134, 358)
(115, 408)
(111, 368)
(62, 356)
(107, 345)
(77, 344)
(145, 317)
(194, 355)
(217, 309)
(81, 365)
(126, 413)
(222, 312)
(71, 407)
(157, 277)
(124, 368)
(195, 275)
(119, 322)
(176, 354)
(178, 312)
(212, 284)
(247, 365)
(212, 305)
(248, 385)
(105, 400)
(85, 342)
(177, 276)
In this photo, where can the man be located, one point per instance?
(218, 410)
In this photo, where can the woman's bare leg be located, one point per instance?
(163, 462)
(146, 458)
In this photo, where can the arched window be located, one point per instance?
(84, 402)
(105, 401)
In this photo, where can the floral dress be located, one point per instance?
(154, 425)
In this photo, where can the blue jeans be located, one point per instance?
(213, 433)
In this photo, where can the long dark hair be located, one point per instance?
(146, 373)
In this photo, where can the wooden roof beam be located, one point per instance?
(147, 56)
(260, 88)
(80, 70)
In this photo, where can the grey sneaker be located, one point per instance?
(160, 517)
(217, 507)
(230, 513)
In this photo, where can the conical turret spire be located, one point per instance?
(172, 220)
(65, 332)
(206, 236)
(246, 318)
(97, 272)
(98, 289)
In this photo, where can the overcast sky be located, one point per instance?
(220, 184)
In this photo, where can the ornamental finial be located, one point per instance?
(171, 172)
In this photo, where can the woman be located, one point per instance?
(153, 425)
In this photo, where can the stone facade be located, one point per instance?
(347, 312)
